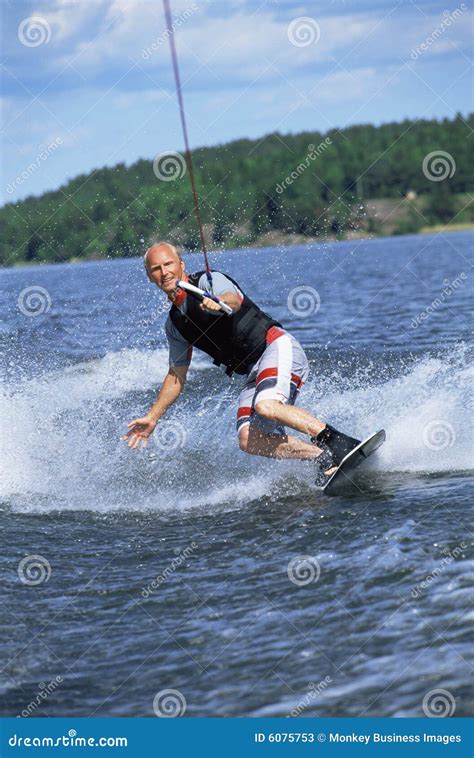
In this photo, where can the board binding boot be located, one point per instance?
(335, 446)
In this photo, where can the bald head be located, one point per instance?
(160, 247)
(164, 266)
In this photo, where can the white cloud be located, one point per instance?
(67, 19)
(345, 86)
(232, 47)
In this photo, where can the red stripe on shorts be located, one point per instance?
(265, 374)
(244, 411)
(273, 334)
(297, 380)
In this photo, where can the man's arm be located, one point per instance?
(171, 389)
(231, 298)
(224, 289)
(141, 428)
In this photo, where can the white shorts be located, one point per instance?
(279, 374)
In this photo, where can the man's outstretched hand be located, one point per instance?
(139, 431)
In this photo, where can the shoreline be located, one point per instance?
(271, 239)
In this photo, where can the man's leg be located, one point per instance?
(266, 405)
(289, 415)
(339, 444)
(257, 442)
(280, 372)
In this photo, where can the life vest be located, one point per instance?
(235, 341)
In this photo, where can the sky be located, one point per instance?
(89, 83)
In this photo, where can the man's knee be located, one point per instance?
(266, 408)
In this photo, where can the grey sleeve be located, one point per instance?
(180, 349)
(220, 284)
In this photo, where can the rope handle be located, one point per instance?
(201, 294)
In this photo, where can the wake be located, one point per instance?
(62, 449)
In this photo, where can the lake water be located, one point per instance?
(172, 568)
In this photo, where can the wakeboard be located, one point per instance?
(341, 479)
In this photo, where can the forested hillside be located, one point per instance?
(306, 184)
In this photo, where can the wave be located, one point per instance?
(62, 449)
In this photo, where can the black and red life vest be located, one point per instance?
(235, 341)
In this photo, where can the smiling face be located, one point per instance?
(164, 267)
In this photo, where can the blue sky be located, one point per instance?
(88, 83)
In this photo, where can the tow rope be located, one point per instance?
(188, 154)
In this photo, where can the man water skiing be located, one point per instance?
(249, 342)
